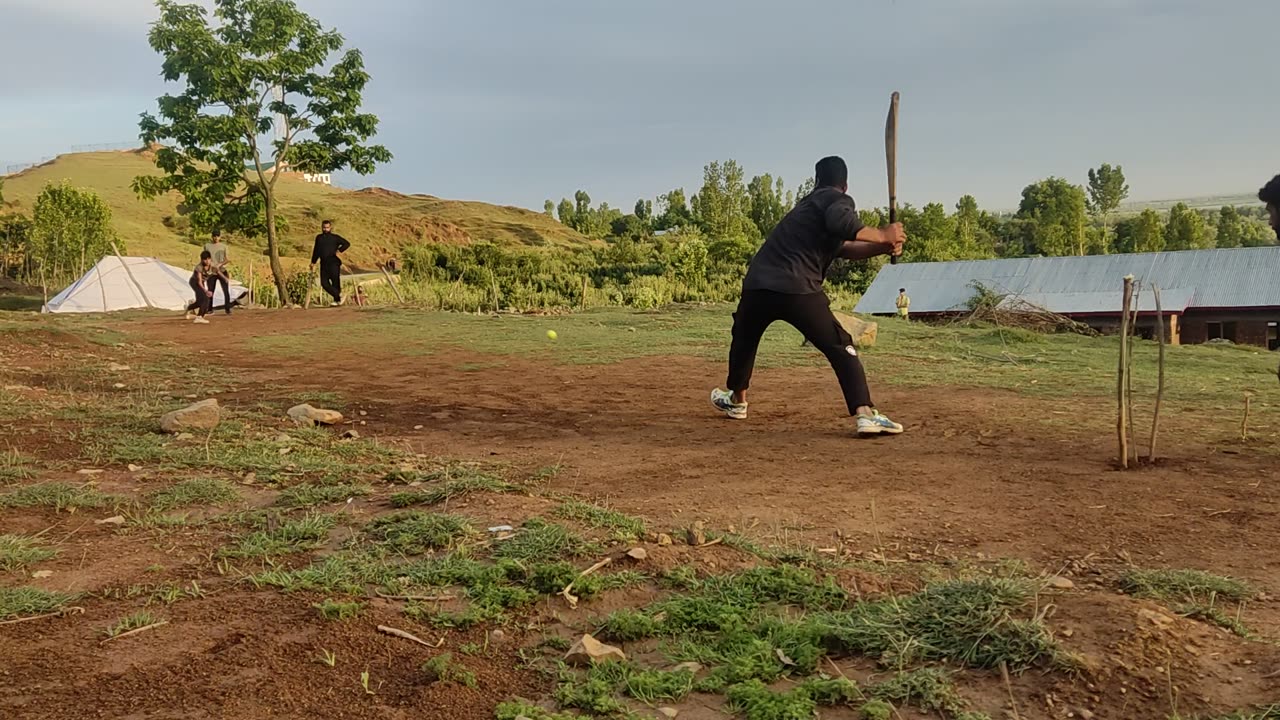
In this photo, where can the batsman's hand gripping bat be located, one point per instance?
(891, 162)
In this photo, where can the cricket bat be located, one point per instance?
(891, 161)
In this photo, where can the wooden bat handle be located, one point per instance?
(891, 161)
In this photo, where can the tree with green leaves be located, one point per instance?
(565, 211)
(15, 238)
(259, 65)
(1186, 230)
(1107, 190)
(973, 238)
(723, 206)
(1, 192)
(1147, 233)
(1230, 227)
(768, 202)
(644, 210)
(1257, 233)
(70, 232)
(674, 211)
(549, 208)
(1058, 209)
(805, 188)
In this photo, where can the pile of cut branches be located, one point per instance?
(988, 307)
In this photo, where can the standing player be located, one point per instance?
(218, 251)
(328, 245)
(784, 282)
(202, 284)
(904, 304)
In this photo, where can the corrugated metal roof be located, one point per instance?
(1241, 277)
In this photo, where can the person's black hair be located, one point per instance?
(831, 172)
(902, 289)
(206, 255)
(326, 222)
(1270, 193)
(217, 233)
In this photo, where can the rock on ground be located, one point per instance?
(306, 415)
(588, 650)
(203, 415)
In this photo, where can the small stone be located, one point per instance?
(664, 540)
(119, 386)
(203, 415)
(417, 427)
(114, 520)
(697, 533)
(1085, 714)
(134, 468)
(190, 397)
(306, 415)
(588, 650)
(284, 438)
(497, 635)
(285, 451)
(249, 478)
(638, 553)
(89, 471)
(668, 712)
(1058, 582)
(41, 574)
(363, 413)
(1068, 633)
(184, 436)
(351, 435)
(117, 367)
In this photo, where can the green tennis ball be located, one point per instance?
(551, 334)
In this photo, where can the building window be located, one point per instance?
(1273, 336)
(1213, 331)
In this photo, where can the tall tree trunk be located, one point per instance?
(273, 249)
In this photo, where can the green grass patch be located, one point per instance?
(929, 689)
(442, 668)
(16, 602)
(57, 495)
(189, 493)
(312, 494)
(1180, 585)
(336, 611)
(17, 552)
(414, 533)
(14, 467)
(452, 483)
(348, 574)
(541, 541)
(624, 528)
(515, 710)
(752, 700)
(1269, 712)
(284, 536)
(137, 620)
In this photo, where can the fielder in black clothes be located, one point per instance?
(784, 282)
(328, 245)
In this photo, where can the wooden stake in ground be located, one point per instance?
(306, 304)
(1128, 374)
(250, 294)
(1122, 385)
(1244, 424)
(1155, 419)
(392, 283)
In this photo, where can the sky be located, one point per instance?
(516, 101)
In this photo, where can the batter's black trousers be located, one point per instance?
(331, 277)
(811, 315)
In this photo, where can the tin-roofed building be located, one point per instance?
(1205, 294)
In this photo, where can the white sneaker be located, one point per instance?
(200, 321)
(723, 401)
(188, 316)
(877, 424)
(341, 302)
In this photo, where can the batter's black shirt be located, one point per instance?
(327, 247)
(795, 257)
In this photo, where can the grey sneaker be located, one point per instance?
(877, 424)
(723, 401)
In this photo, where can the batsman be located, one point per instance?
(784, 282)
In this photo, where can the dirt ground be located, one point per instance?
(979, 476)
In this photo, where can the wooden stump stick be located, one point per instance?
(392, 283)
(1122, 422)
(1128, 375)
(1155, 419)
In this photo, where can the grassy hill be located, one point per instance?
(377, 222)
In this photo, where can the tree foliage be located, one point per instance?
(258, 60)
(723, 205)
(70, 231)
(1058, 209)
(1230, 228)
(768, 203)
(1186, 230)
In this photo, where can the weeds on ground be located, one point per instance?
(1192, 593)
(137, 620)
(57, 495)
(13, 467)
(284, 536)
(442, 668)
(625, 528)
(18, 602)
(310, 495)
(334, 610)
(456, 482)
(17, 552)
(522, 709)
(929, 689)
(347, 573)
(188, 493)
(753, 700)
(541, 541)
(1271, 712)
(414, 533)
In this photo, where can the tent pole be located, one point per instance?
(129, 272)
(101, 286)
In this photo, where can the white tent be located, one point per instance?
(123, 283)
